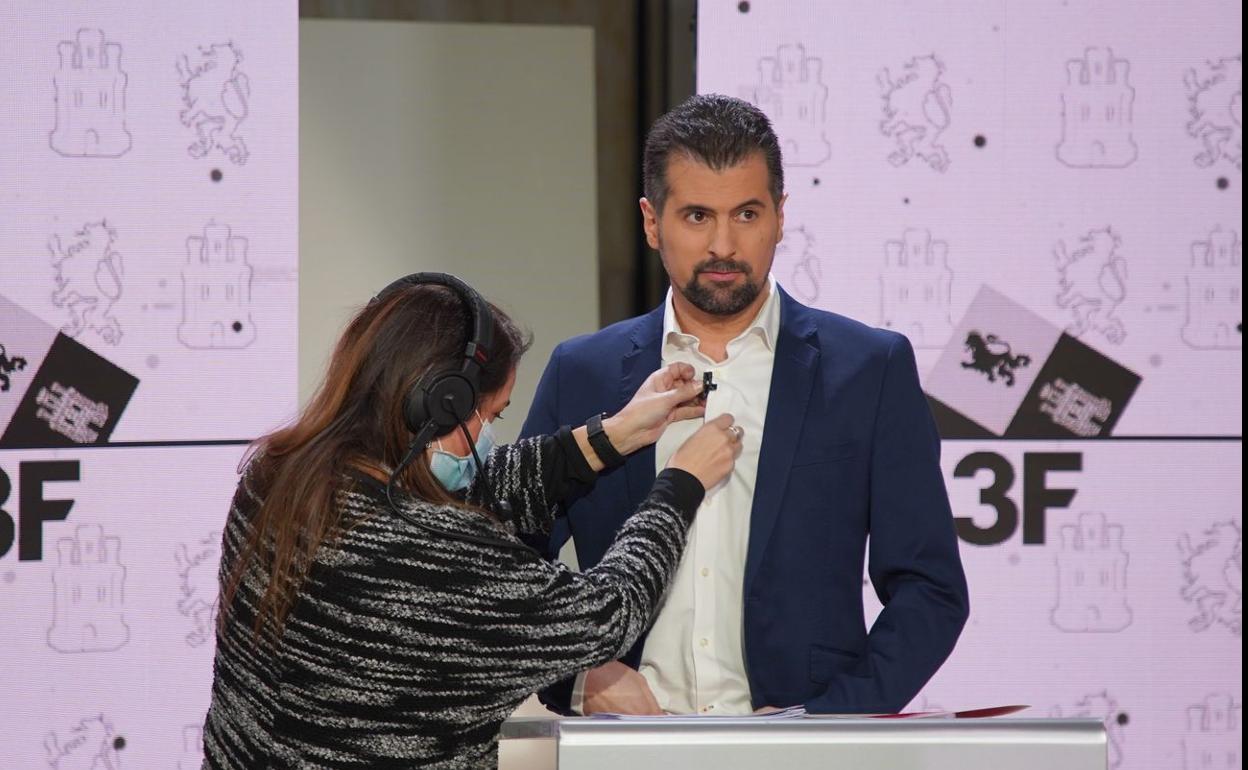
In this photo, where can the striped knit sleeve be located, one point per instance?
(575, 621)
(533, 475)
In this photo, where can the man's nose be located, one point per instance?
(723, 243)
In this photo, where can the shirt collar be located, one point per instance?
(765, 325)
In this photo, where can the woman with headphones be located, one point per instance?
(378, 606)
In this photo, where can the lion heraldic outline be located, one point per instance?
(8, 366)
(993, 357)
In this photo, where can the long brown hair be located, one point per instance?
(354, 420)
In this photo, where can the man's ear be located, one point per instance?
(650, 222)
(780, 217)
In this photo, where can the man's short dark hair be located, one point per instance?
(716, 130)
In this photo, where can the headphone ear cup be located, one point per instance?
(447, 401)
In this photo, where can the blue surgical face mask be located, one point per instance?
(456, 473)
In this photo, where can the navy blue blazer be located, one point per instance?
(849, 449)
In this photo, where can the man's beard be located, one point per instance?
(721, 300)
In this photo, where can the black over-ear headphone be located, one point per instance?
(441, 401)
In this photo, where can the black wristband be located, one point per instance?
(610, 457)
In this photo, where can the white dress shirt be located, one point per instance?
(693, 657)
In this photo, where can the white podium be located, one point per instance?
(827, 744)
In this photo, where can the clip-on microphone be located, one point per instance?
(708, 384)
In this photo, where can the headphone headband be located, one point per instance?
(481, 323)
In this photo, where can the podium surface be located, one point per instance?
(799, 743)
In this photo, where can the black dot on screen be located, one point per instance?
(1223, 183)
(238, 326)
(980, 140)
(1239, 327)
(216, 175)
(815, 181)
(1123, 719)
(743, 6)
(119, 743)
(906, 201)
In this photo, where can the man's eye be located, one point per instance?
(696, 217)
(749, 215)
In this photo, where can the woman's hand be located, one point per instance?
(667, 396)
(710, 453)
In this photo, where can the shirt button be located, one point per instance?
(705, 571)
(704, 641)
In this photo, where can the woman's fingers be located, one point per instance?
(681, 371)
(690, 412)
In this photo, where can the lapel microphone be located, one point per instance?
(708, 384)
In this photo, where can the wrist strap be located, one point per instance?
(610, 457)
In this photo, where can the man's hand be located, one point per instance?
(617, 689)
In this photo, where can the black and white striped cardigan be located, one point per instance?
(409, 649)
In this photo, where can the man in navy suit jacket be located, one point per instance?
(847, 460)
